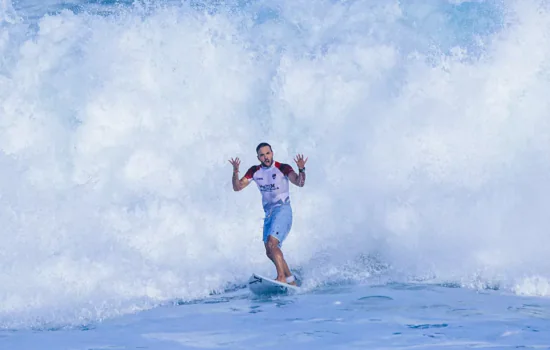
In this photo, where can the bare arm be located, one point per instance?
(297, 179)
(238, 184)
(300, 178)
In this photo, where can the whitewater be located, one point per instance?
(423, 222)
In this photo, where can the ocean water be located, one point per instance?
(423, 222)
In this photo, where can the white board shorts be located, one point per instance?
(278, 222)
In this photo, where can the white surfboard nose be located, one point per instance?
(261, 285)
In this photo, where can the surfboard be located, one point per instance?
(261, 285)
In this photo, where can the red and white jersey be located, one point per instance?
(272, 182)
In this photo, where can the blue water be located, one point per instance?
(423, 222)
(392, 316)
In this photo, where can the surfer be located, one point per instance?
(272, 179)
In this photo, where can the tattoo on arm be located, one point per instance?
(298, 179)
(301, 179)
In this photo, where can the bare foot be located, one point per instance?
(283, 280)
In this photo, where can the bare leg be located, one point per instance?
(274, 253)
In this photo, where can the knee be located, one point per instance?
(269, 250)
(271, 247)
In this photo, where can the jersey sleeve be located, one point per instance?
(250, 173)
(286, 169)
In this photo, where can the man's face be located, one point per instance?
(265, 156)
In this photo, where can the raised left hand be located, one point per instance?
(300, 162)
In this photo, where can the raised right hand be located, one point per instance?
(235, 162)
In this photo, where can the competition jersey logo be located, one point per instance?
(268, 188)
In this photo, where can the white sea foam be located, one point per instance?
(427, 136)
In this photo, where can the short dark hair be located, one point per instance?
(263, 144)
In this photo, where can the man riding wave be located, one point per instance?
(272, 179)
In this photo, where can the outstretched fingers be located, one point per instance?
(300, 161)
